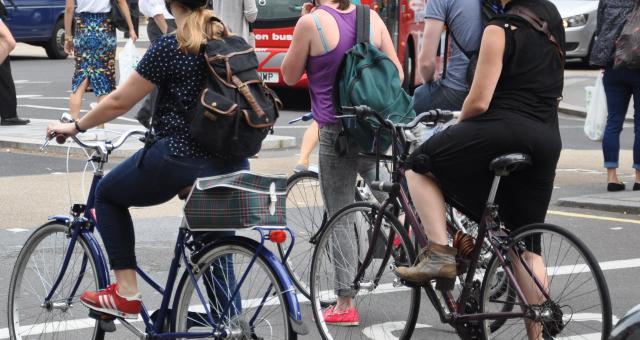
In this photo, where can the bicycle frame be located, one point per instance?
(452, 312)
(82, 223)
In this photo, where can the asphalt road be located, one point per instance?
(37, 185)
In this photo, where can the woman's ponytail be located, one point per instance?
(198, 27)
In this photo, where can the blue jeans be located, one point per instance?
(159, 179)
(619, 86)
(434, 95)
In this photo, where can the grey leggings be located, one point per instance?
(337, 183)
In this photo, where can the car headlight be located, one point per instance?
(575, 21)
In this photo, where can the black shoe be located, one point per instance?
(616, 186)
(636, 186)
(14, 121)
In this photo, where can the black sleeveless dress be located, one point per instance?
(522, 117)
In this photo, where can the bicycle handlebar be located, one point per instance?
(436, 115)
(101, 147)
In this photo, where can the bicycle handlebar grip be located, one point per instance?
(383, 186)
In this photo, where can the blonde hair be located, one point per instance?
(198, 27)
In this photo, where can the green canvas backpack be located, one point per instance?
(366, 76)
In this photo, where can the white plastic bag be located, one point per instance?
(127, 60)
(596, 106)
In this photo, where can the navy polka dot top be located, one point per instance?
(179, 76)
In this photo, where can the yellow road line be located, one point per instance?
(593, 217)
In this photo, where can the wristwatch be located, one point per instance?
(78, 127)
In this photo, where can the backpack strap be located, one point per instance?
(363, 25)
(537, 24)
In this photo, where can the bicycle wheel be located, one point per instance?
(305, 216)
(387, 308)
(576, 304)
(258, 311)
(34, 273)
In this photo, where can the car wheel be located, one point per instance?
(409, 70)
(55, 46)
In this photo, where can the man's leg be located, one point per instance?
(9, 109)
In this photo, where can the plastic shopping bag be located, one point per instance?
(596, 119)
(127, 61)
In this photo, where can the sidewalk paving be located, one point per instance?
(623, 202)
(31, 137)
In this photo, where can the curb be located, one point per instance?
(578, 111)
(595, 203)
(272, 142)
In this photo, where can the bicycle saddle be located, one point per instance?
(512, 162)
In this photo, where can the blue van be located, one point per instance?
(39, 23)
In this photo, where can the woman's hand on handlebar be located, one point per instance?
(61, 131)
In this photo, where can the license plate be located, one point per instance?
(270, 77)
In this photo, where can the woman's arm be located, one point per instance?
(69, 7)
(7, 42)
(250, 10)
(295, 61)
(124, 9)
(386, 44)
(487, 73)
(114, 105)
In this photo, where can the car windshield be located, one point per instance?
(275, 10)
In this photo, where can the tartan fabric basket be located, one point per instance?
(235, 201)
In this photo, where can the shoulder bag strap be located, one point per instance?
(362, 24)
(537, 24)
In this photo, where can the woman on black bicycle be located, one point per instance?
(512, 107)
(174, 63)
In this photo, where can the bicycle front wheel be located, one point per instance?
(33, 276)
(257, 311)
(305, 217)
(564, 285)
(387, 308)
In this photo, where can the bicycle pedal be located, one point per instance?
(108, 326)
(445, 285)
(100, 316)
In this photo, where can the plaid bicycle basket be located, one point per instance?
(235, 201)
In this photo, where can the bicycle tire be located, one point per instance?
(596, 316)
(82, 327)
(304, 219)
(183, 315)
(402, 253)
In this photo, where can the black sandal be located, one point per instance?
(636, 186)
(619, 186)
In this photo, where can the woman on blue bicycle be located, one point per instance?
(512, 107)
(174, 63)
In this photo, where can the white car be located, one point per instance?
(579, 17)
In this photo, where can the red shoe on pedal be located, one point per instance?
(108, 301)
(349, 317)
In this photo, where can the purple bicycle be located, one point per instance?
(506, 297)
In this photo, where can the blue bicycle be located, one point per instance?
(230, 288)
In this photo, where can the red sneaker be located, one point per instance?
(347, 317)
(108, 301)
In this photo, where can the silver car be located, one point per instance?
(579, 18)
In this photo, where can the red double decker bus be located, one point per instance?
(277, 18)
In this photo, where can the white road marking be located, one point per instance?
(22, 81)
(384, 330)
(17, 230)
(48, 107)
(24, 96)
(616, 228)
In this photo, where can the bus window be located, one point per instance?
(388, 10)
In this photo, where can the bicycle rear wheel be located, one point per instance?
(305, 217)
(34, 273)
(387, 308)
(258, 311)
(578, 305)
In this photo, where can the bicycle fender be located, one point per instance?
(60, 218)
(101, 263)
